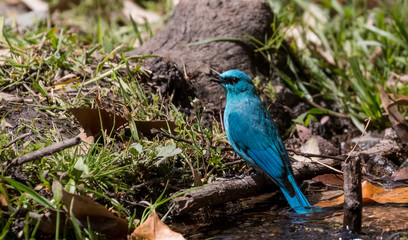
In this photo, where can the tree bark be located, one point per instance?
(194, 21)
(353, 200)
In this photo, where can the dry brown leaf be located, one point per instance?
(331, 194)
(100, 219)
(64, 81)
(381, 195)
(87, 139)
(86, 143)
(399, 124)
(145, 127)
(303, 132)
(89, 119)
(400, 174)
(373, 193)
(154, 229)
(92, 119)
(402, 100)
(330, 179)
(331, 202)
(48, 221)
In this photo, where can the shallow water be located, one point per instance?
(379, 222)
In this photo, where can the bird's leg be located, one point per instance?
(242, 176)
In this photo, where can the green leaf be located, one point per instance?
(387, 35)
(317, 111)
(136, 30)
(136, 148)
(168, 151)
(57, 190)
(30, 192)
(357, 123)
(81, 166)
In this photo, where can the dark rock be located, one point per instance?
(380, 166)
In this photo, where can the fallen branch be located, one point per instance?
(56, 147)
(231, 190)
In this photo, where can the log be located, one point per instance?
(234, 189)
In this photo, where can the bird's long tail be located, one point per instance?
(298, 201)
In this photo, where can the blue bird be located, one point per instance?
(253, 135)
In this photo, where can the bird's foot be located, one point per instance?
(242, 177)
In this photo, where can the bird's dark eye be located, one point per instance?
(232, 80)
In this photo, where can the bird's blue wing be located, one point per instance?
(256, 139)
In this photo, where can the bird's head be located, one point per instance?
(235, 81)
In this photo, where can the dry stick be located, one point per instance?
(323, 164)
(336, 114)
(310, 155)
(235, 162)
(178, 139)
(361, 136)
(56, 147)
(353, 197)
(17, 138)
(353, 200)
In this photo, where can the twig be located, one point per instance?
(323, 164)
(361, 136)
(235, 162)
(333, 113)
(103, 75)
(30, 90)
(56, 147)
(309, 155)
(17, 138)
(151, 181)
(178, 139)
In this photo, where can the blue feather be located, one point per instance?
(253, 135)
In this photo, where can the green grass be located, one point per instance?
(367, 45)
(107, 171)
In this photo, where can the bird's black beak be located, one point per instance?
(217, 79)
